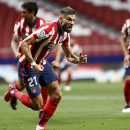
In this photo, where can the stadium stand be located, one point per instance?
(98, 33)
(6, 25)
(96, 43)
(101, 13)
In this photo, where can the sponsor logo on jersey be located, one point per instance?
(42, 33)
(23, 37)
(51, 46)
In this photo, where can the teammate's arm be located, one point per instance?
(125, 51)
(73, 58)
(30, 40)
(14, 46)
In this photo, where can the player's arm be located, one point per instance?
(125, 51)
(14, 46)
(123, 44)
(30, 40)
(73, 58)
(55, 63)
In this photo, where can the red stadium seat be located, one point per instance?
(120, 17)
(6, 25)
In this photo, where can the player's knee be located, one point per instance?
(58, 96)
(21, 88)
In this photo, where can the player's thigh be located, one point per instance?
(30, 80)
(127, 77)
(20, 84)
(48, 75)
(127, 73)
(37, 102)
(33, 89)
(53, 90)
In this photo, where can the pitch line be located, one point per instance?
(92, 97)
(86, 97)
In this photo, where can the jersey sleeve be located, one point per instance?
(17, 28)
(41, 33)
(125, 27)
(66, 41)
(42, 21)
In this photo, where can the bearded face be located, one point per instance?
(67, 22)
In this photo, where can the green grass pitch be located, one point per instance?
(88, 106)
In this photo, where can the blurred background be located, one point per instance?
(97, 29)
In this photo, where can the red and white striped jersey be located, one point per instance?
(126, 28)
(47, 37)
(126, 32)
(23, 29)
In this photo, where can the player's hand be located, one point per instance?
(38, 68)
(83, 58)
(18, 55)
(55, 64)
(126, 61)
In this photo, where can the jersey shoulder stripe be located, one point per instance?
(44, 31)
(126, 25)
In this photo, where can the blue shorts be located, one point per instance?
(127, 71)
(32, 80)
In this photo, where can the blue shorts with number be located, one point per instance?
(32, 80)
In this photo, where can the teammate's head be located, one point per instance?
(30, 6)
(67, 18)
(29, 10)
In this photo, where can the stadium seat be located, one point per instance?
(7, 22)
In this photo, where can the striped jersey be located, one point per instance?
(126, 32)
(47, 37)
(24, 29)
(126, 28)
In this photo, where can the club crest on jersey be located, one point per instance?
(51, 46)
(42, 33)
(33, 90)
(61, 39)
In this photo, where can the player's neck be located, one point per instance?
(31, 21)
(61, 29)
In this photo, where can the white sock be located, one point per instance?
(39, 127)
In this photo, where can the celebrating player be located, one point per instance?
(24, 26)
(125, 43)
(33, 67)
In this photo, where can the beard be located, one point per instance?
(65, 28)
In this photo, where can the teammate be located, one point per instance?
(34, 69)
(24, 26)
(65, 65)
(125, 43)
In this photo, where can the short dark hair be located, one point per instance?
(67, 10)
(30, 6)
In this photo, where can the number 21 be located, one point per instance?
(30, 80)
